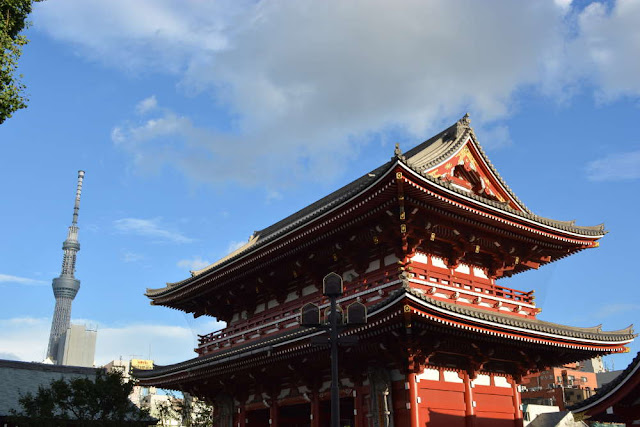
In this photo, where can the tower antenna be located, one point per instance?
(66, 286)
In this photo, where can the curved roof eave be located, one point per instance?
(290, 224)
(566, 227)
(548, 330)
(609, 390)
(348, 192)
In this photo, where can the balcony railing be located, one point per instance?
(283, 315)
(480, 285)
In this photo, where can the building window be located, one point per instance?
(584, 379)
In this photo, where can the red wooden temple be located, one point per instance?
(421, 241)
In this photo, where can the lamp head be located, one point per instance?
(332, 285)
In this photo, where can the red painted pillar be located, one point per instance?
(517, 402)
(315, 410)
(242, 416)
(414, 410)
(359, 407)
(470, 410)
(273, 413)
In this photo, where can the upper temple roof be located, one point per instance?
(456, 146)
(452, 160)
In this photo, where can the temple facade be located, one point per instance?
(426, 241)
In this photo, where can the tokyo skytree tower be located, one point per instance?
(66, 286)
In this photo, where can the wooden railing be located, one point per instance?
(477, 285)
(370, 288)
(288, 312)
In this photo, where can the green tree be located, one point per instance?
(83, 402)
(13, 19)
(188, 411)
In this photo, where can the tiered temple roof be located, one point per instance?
(422, 161)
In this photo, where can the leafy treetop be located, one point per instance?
(13, 19)
(82, 401)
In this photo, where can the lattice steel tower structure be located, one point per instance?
(66, 286)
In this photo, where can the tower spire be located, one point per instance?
(76, 206)
(66, 286)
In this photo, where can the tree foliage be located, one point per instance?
(81, 401)
(13, 19)
(188, 411)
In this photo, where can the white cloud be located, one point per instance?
(147, 105)
(159, 34)
(607, 47)
(7, 278)
(305, 83)
(165, 344)
(195, 263)
(615, 167)
(563, 4)
(27, 339)
(151, 228)
(497, 136)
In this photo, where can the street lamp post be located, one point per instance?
(333, 287)
(335, 390)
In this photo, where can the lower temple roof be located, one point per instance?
(591, 336)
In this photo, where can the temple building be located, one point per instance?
(426, 241)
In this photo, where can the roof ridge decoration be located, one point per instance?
(429, 153)
(439, 148)
(447, 156)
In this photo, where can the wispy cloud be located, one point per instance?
(615, 167)
(147, 105)
(195, 263)
(608, 310)
(273, 195)
(26, 339)
(151, 228)
(128, 256)
(7, 278)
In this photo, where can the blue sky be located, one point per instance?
(199, 122)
